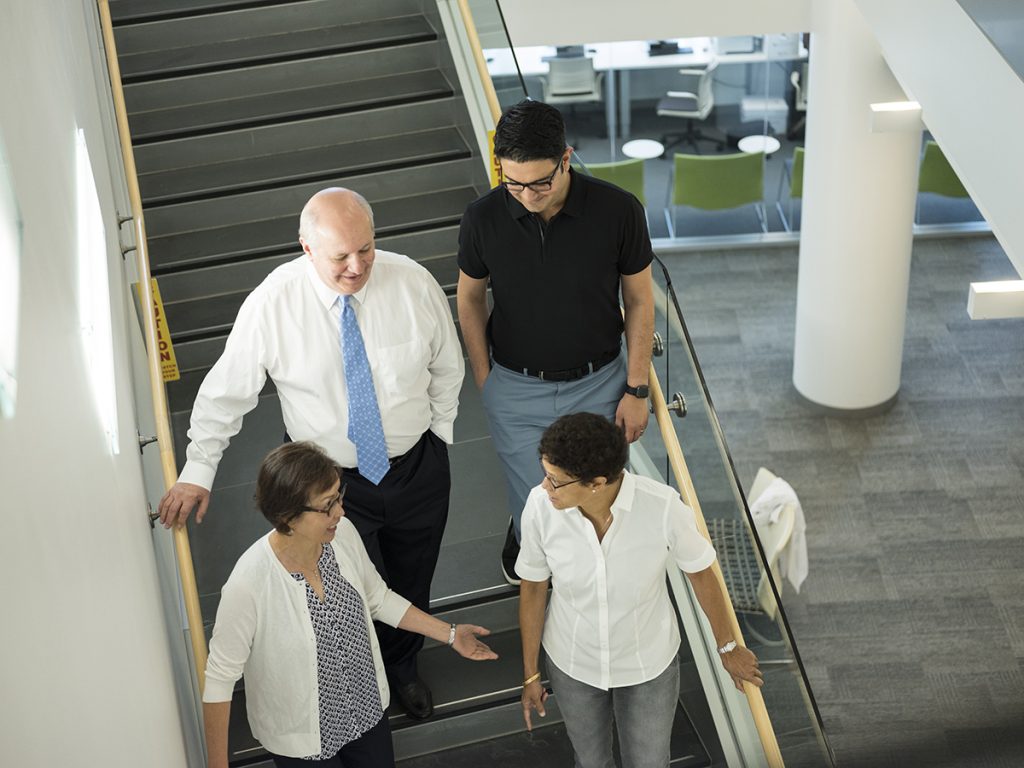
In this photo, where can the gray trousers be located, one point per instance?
(642, 716)
(520, 407)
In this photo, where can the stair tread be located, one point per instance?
(278, 233)
(128, 11)
(303, 164)
(165, 61)
(291, 104)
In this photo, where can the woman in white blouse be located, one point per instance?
(601, 536)
(296, 616)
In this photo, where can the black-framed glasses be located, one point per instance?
(556, 485)
(540, 185)
(330, 506)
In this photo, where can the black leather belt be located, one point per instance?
(570, 374)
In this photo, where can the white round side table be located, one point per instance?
(759, 143)
(643, 149)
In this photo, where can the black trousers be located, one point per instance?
(371, 750)
(401, 522)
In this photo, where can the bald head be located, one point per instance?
(336, 233)
(333, 200)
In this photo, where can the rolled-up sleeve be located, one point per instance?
(446, 368)
(532, 563)
(231, 643)
(690, 550)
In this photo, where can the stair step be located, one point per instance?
(126, 13)
(305, 165)
(153, 158)
(162, 54)
(264, 223)
(301, 103)
(133, 11)
(283, 77)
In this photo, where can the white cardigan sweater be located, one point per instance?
(263, 630)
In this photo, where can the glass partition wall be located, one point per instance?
(743, 549)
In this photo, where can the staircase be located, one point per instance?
(239, 111)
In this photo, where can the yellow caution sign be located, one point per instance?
(168, 363)
(495, 165)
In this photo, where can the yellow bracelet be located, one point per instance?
(532, 678)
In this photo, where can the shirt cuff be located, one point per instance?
(445, 430)
(531, 573)
(392, 609)
(702, 562)
(216, 691)
(197, 474)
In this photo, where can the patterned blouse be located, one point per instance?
(349, 699)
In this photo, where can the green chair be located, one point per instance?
(937, 176)
(628, 174)
(717, 182)
(795, 176)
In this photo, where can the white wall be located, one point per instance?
(543, 22)
(971, 100)
(85, 669)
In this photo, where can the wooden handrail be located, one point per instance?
(163, 427)
(481, 62)
(762, 722)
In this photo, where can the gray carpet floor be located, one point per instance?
(911, 622)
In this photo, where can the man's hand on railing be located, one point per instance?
(178, 503)
(741, 664)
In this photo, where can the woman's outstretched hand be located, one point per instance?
(469, 646)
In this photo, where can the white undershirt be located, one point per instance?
(610, 622)
(287, 329)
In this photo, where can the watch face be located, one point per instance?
(641, 390)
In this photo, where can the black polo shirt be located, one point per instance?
(555, 287)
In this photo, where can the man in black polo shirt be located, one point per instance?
(556, 247)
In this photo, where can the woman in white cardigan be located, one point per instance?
(296, 616)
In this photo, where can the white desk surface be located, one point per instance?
(633, 54)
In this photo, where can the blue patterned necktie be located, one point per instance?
(364, 427)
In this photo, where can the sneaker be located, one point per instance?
(509, 554)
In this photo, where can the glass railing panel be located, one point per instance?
(753, 590)
(745, 98)
(499, 55)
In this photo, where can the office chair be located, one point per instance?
(692, 105)
(572, 80)
(937, 176)
(794, 174)
(716, 183)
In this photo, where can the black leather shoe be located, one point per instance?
(509, 555)
(415, 699)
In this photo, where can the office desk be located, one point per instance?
(621, 57)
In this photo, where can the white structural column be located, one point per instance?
(857, 223)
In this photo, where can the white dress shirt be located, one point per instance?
(610, 622)
(263, 630)
(288, 328)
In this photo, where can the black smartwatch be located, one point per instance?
(641, 391)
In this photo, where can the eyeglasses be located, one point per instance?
(541, 185)
(330, 506)
(556, 485)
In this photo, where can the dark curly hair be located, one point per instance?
(289, 475)
(530, 130)
(586, 446)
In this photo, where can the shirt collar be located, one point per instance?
(624, 498)
(327, 295)
(574, 201)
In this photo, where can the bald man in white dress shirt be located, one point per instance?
(289, 328)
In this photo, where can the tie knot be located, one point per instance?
(345, 300)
